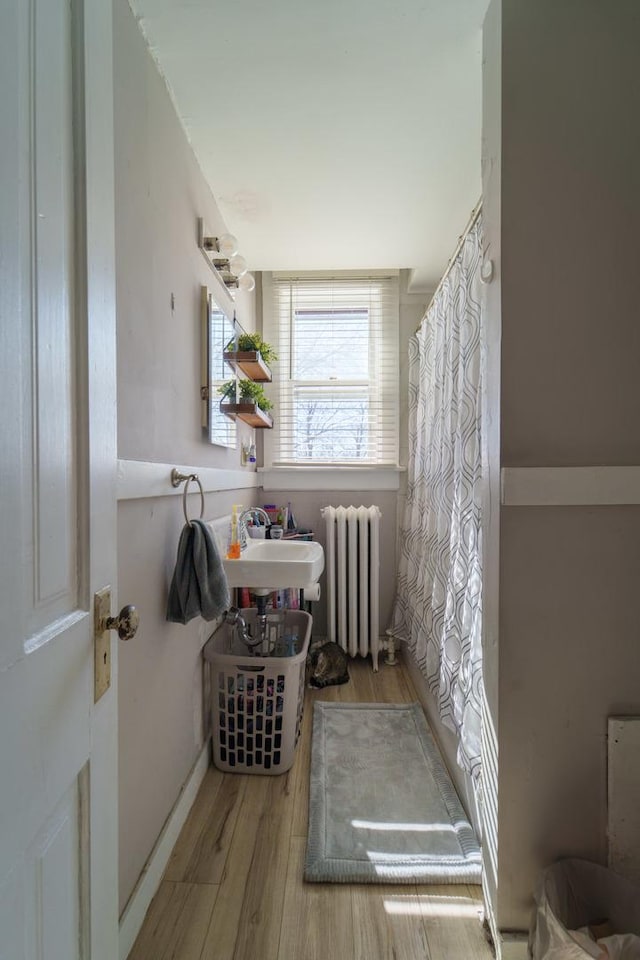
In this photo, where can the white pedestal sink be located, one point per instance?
(274, 564)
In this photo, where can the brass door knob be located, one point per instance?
(126, 623)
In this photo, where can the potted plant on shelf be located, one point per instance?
(251, 405)
(251, 354)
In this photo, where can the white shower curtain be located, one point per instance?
(438, 607)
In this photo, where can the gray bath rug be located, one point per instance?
(382, 808)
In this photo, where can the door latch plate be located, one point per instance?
(102, 642)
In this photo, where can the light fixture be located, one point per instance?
(237, 265)
(223, 257)
(226, 245)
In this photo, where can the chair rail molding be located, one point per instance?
(141, 478)
(570, 486)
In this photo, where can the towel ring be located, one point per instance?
(194, 476)
(176, 479)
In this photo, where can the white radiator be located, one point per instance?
(353, 578)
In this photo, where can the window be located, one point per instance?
(335, 385)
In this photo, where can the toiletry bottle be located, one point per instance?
(233, 553)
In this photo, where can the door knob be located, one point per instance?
(126, 623)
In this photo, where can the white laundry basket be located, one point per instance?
(257, 701)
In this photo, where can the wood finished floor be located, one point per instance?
(233, 888)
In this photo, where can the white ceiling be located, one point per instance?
(334, 134)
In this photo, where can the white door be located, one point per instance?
(58, 761)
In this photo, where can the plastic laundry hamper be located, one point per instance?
(257, 701)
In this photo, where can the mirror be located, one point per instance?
(217, 331)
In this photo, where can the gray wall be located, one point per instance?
(162, 723)
(159, 194)
(569, 657)
(566, 215)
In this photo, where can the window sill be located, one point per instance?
(330, 478)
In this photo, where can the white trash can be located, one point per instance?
(578, 894)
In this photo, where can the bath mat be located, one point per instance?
(382, 807)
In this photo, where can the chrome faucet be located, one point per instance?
(245, 515)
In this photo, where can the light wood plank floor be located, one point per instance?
(233, 889)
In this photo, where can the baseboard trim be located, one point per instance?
(514, 946)
(135, 911)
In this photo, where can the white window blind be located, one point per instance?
(335, 385)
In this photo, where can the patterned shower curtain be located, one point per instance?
(438, 606)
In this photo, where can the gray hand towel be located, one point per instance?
(199, 586)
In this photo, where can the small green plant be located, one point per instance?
(253, 341)
(249, 392)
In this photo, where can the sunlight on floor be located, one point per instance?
(409, 827)
(396, 861)
(434, 906)
(382, 856)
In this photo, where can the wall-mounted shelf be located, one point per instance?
(249, 412)
(250, 363)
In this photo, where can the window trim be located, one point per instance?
(382, 474)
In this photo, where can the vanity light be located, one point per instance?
(237, 281)
(222, 254)
(226, 245)
(237, 265)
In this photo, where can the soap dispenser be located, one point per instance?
(233, 553)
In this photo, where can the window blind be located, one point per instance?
(335, 385)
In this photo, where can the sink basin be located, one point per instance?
(274, 564)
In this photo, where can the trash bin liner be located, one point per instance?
(577, 893)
